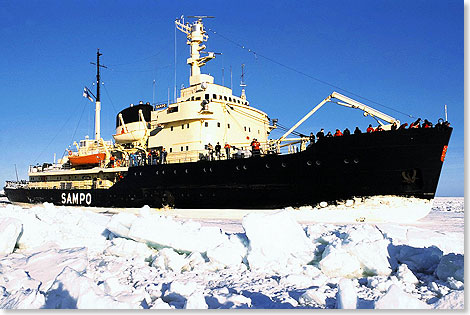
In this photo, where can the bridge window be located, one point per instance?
(228, 126)
(181, 148)
(182, 126)
(187, 148)
(198, 98)
(218, 124)
(187, 125)
(206, 96)
(225, 98)
(171, 128)
(173, 109)
(220, 97)
(171, 150)
(206, 124)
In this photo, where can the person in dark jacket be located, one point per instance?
(403, 126)
(357, 131)
(346, 132)
(312, 138)
(321, 134)
(217, 150)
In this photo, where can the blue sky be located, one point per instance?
(406, 55)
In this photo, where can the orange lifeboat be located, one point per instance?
(91, 159)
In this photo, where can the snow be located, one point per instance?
(346, 298)
(396, 298)
(10, 231)
(95, 258)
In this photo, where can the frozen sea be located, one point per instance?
(96, 258)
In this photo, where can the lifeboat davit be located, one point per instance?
(91, 159)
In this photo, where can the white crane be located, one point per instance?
(348, 102)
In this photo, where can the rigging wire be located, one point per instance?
(107, 94)
(305, 74)
(47, 146)
(141, 59)
(78, 123)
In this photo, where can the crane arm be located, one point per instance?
(310, 113)
(347, 102)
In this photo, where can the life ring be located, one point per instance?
(70, 152)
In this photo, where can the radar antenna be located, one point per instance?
(196, 35)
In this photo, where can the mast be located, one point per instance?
(98, 95)
(196, 35)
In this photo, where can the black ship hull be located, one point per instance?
(401, 163)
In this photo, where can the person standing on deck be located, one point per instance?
(217, 150)
(227, 150)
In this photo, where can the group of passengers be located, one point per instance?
(417, 124)
(215, 152)
(153, 157)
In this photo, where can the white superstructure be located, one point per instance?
(204, 113)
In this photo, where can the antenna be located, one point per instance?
(445, 108)
(200, 17)
(153, 96)
(223, 76)
(175, 65)
(16, 171)
(242, 81)
(231, 81)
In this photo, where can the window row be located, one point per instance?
(182, 127)
(182, 148)
(215, 97)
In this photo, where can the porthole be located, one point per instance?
(356, 161)
(267, 165)
(238, 167)
(204, 169)
(283, 164)
(200, 195)
(186, 171)
(309, 163)
(174, 172)
(135, 173)
(156, 172)
(163, 172)
(244, 167)
(210, 169)
(318, 162)
(346, 161)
